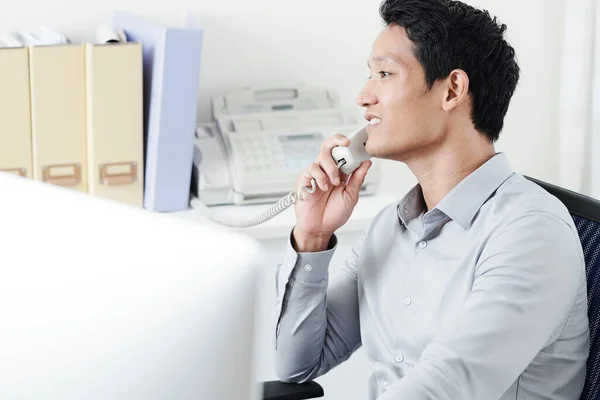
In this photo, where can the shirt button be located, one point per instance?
(422, 244)
(308, 267)
(386, 385)
(399, 358)
(407, 301)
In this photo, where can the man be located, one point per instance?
(473, 285)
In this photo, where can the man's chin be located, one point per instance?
(386, 153)
(376, 150)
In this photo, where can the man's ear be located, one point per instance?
(457, 89)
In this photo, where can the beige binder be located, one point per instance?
(58, 115)
(115, 128)
(15, 122)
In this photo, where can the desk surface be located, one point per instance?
(280, 226)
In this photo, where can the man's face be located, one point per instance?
(409, 117)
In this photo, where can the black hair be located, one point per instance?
(448, 35)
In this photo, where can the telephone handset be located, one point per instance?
(348, 159)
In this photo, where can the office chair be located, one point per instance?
(586, 215)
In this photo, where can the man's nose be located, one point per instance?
(366, 97)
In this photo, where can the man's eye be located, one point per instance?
(383, 74)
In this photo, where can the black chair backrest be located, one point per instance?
(586, 214)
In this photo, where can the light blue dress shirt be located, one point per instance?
(482, 297)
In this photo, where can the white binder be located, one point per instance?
(58, 115)
(15, 123)
(115, 126)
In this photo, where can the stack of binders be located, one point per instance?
(84, 117)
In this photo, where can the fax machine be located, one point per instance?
(261, 140)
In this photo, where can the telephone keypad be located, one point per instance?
(257, 154)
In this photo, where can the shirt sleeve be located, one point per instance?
(527, 282)
(317, 321)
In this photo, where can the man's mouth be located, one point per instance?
(374, 121)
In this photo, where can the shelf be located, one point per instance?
(280, 226)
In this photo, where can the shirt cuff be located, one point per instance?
(307, 267)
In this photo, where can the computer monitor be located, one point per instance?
(101, 300)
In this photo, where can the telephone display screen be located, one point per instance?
(301, 149)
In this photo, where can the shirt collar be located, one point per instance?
(463, 202)
(412, 205)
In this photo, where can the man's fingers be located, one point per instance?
(335, 140)
(314, 171)
(326, 160)
(358, 178)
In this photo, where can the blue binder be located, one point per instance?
(171, 58)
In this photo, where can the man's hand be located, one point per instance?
(320, 214)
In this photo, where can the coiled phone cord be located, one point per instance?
(281, 205)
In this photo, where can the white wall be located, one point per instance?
(530, 137)
(327, 42)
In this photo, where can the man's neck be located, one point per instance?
(440, 171)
